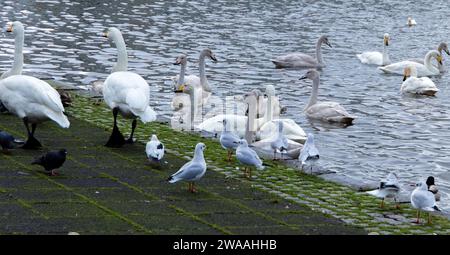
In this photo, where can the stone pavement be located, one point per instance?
(115, 191)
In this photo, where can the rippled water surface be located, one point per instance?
(392, 132)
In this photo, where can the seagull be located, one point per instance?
(154, 149)
(193, 170)
(309, 152)
(280, 142)
(229, 140)
(51, 161)
(422, 199)
(411, 22)
(248, 157)
(6, 141)
(389, 188)
(433, 188)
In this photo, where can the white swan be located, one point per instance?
(34, 101)
(441, 47)
(326, 111)
(125, 92)
(294, 60)
(199, 83)
(422, 70)
(411, 22)
(414, 85)
(291, 130)
(17, 29)
(375, 57)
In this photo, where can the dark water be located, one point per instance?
(392, 132)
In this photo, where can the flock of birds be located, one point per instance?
(128, 94)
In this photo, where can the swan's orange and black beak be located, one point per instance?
(303, 77)
(386, 41)
(9, 28)
(180, 89)
(406, 73)
(213, 58)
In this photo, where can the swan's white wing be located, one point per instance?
(418, 85)
(371, 57)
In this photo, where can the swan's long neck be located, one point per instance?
(428, 64)
(268, 116)
(319, 51)
(193, 98)
(385, 56)
(182, 73)
(315, 90)
(440, 67)
(122, 57)
(201, 68)
(18, 54)
(250, 129)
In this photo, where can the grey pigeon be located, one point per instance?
(51, 161)
(6, 141)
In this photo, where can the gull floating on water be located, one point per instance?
(389, 188)
(193, 170)
(228, 139)
(309, 152)
(248, 157)
(423, 200)
(411, 22)
(154, 149)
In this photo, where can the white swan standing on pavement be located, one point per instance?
(17, 29)
(325, 111)
(193, 170)
(29, 98)
(125, 92)
(419, 86)
(422, 70)
(298, 60)
(375, 57)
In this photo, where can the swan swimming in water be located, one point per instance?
(422, 70)
(375, 57)
(297, 60)
(419, 86)
(441, 47)
(125, 92)
(326, 111)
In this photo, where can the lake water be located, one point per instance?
(392, 133)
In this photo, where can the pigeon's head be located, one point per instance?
(63, 151)
(200, 146)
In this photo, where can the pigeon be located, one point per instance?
(388, 188)
(280, 142)
(154, 149)
(6, 141)
(422, 199)
(433, 188)
(309, 152)
(247, 156)
(193, 170)
(51, 161)
(228, 140)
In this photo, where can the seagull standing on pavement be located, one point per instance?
(423, 200)
(388, 188)
(248, 157)
(280, 142)
(154, 149)
(229, 140)
(309, 152)
(193, 170)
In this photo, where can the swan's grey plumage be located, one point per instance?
(298, 59)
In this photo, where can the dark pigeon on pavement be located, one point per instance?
(51, 161)
(6, 141)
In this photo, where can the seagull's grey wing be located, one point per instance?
(229, 140)
(423, 199)
(249, 157)
(304, 154)
(191, 171)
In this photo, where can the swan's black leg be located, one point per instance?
(133, 127)
(116, 139)
(31, 143)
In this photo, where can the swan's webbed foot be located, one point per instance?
(32, 144)
(116, 140)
